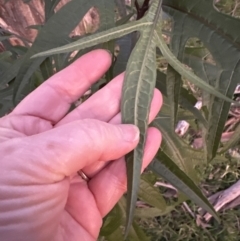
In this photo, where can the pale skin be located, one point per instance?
(42, 148)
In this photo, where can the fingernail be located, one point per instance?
(130, 133)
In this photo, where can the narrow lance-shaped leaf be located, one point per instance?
(162, 122)
(174, 79)
(219, 110)
(218, 33)
(186, 100)
(107, 21)
(177, 163)
(180, 68)
(137, 92)
(6, 92)
(174, 84)
(185, 157)
(54, 33)
(98, 38)
(186, 104)
(167, 169)
(125, 46)
(106, 12)
(224, 26)
(49, 8)
(10, 72)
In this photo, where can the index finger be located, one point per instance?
(53, 98)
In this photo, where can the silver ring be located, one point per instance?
(83, 176)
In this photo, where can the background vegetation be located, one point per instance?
(188, 49)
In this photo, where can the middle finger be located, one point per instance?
(103, 105)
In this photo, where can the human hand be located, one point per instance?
(42, 148)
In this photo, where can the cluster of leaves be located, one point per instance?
(141, 41)
(180, 225)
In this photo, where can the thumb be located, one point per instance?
(66, 149)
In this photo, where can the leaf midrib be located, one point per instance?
(118, 32)
(151, 39)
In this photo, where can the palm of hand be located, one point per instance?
(43, 148)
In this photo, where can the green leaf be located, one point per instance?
(174, 80)
(125, 45)
(186, 100)
(18, 50)
(6, 92)
(153, 212)
(112, 222)
(5, 55)
(138, 87)
(150, 194)
(176, 149)
(218, 33)
(174, 84)
(124, 19)
(6, 34)
(218, 110)
(60, 61)
(107, 20)
(97, 38)
(107, 14)
(181, 69)
(49, 7)
(54, 33)
(5, 37)
(225, 25)
(137, 234)
(117, 235)
(186, 104)
(6, 106)
(47, 68)
(167, 169)
(10, 72)
(205, 70)
(121, 6)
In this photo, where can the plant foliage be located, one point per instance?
(142, 41)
